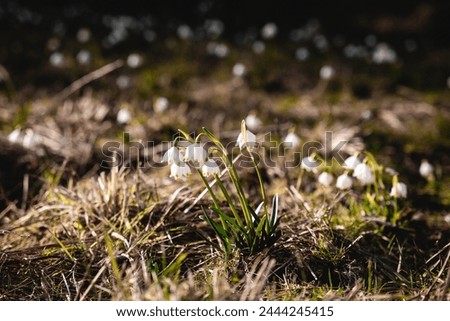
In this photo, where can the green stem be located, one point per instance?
(213, 196)
(261, 183)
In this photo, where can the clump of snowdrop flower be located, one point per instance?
(364, 174)
(309, 163)
(292, 140)
(426, 169)
(351, 162)
(325, 179)
(123, 116)
(399, 190)
(344, 182)
(241, 226)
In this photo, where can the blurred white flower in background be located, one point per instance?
(344, 182)
(258, 47)
(161, 104)
(239, 70)
(325, 179)
(123, 116)
(426, 169)
(384, 54)
(269, 30)
(83, 35)
(123, 81)
(292, 140)
(327, 72)
(57, 59)
(302, 54)
(253, 122)
(84, 57)
(184, 32)
(214, 28)
(14, 136)
(30, 139)
(134, 60)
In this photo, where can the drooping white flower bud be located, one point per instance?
(351, 162)
(210, 168)
(426, 169)
(364, 174)
(399, 190)
(325, 179)
(344, 182)
(173, 156)
(195, 153)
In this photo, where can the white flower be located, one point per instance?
(351, 162)
(210, 168)
(134, 60)
(399, 190)
(364, 174)
(344, 182)
(173, 156)
(253, 122)
(161, 104)
(179, 170)
(30, 140)
(246, 138)
(325, 179)
(14, 136)
(426, 169)
(309, 163)
(239, 70)
(195, 153)
(269, 30)
(292, 140)
(326, 72)
(123, 116)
